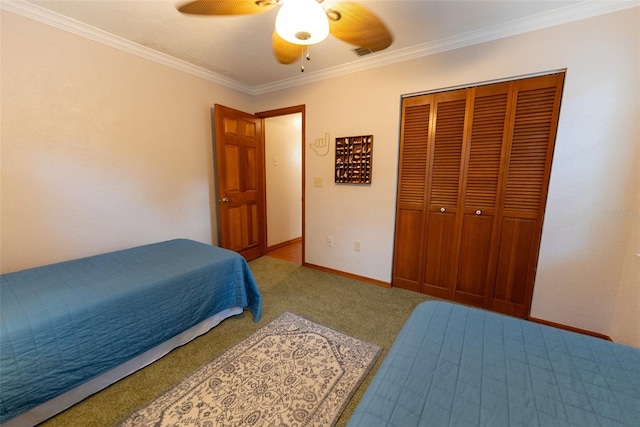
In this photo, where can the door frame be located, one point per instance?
(275, 113)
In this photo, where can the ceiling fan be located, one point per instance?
(300, 23)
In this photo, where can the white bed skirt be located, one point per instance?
(70, 398)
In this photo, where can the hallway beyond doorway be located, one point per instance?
(291, 252)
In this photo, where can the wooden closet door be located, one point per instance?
(472, 186)
(534, 120)
(412, 190)
(445, 154)
(485, 151)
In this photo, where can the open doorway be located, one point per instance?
(284, 178)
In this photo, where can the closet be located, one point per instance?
(473, 174)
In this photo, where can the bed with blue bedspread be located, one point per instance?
(457, 366)
(73, 325)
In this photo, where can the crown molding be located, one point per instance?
(71, 25)
(539, 21)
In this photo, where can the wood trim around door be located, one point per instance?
(283, 112)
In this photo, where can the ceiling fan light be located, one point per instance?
(302, 22)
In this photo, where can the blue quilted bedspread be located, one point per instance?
(64, 324)
(458, 366)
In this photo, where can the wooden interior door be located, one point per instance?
(485, 152)
(531, 140)
(412, 190)
(445, 151)
(473, 177)
(240, 181)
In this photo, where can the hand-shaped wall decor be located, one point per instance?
(321, 145)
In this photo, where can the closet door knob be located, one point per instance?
(224, 200)
(478, 212)
(442, 209)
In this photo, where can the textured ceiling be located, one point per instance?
(238, 48)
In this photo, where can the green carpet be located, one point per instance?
(369, 312)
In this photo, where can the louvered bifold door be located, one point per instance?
(412, 186)
(534, 119)
(473, 177)
(445, 164)
(484, 153)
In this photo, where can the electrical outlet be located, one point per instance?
(356, 246)
(330, 241)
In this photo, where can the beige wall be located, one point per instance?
(101, 149)
(283, 168)
(585, 248)
(626, 316)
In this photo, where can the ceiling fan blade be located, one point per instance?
(285, 52)
(227, 7)
(355, 24)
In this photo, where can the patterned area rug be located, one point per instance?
(291, 372)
